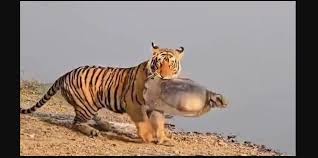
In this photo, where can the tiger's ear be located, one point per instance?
(155, 49)
(180, 52)
(154, 46)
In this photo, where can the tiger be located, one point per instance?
(91, 88)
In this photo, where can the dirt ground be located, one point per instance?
(48, 131)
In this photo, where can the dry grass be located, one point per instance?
(49, 132)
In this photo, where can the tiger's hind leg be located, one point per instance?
(83, 127)
(81, 117)
(102, 124)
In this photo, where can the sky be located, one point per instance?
(243, 50)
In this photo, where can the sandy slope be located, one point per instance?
(48, 132)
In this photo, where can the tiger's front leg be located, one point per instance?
(157, 120)
(144, 128)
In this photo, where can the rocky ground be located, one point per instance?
(49, 132)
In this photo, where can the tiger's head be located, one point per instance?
(165, 62)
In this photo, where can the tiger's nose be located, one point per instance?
(165, 69)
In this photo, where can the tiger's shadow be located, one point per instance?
(120, 131)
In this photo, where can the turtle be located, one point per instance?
(181, 97)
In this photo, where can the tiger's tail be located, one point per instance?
(51, 92)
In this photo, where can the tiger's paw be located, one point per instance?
(165, 142)
(104, 126)
(87, 130)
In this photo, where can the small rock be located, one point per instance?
(31, 135)
(269, 150)
(231, 136)
(233, 140)
(195, 132)
(176, 151)
(221, 143)
(208, 133)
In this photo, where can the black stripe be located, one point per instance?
(97, 78)
(46, 97)
(130, 81)
(93, 98)
(70, 80)
(44, 100)
(86, 71)
(41, 102)
(74, 77)
(109, 88)
(133, 84)
(93, 88)
(126, 85)
(100, 72)
(84, 116)
(136, 96)
(98, 88)
(117, 83)
(88, 79)
(88, 107)
(81, 88)
(79, 117)
(33, 108)
(50, 91)
(100, 93)
(38, 104)
(94, 71)
(103, 86)
(61, 80)
(71, 77)
(76, 95)
(87, 115)
(79, 78)
(103, 78)
(57, 85)
(87, 82)
(122, 109)
(126, 82)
